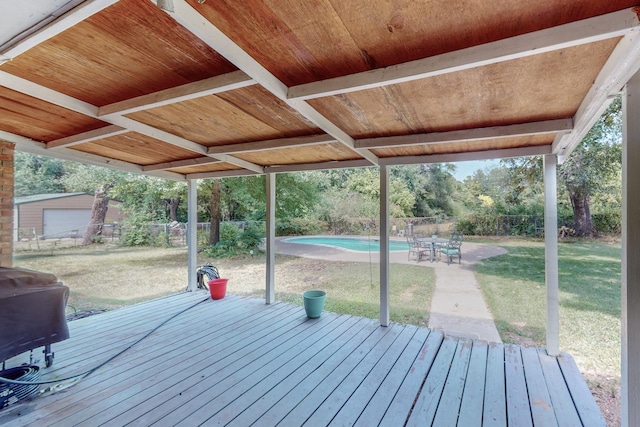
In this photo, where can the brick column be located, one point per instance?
(6, 204)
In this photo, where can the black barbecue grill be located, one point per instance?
(32, 312)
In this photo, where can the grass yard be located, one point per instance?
(108, 277)
(589, 297)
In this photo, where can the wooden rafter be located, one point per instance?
(495, 132)
(189, 18)
(210, 86)
(271, 144)
(342, 164)
(92, 135)
(221, 174)
(590, 30)
(181, 164)
(506, 153)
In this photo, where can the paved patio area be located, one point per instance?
(458, 307)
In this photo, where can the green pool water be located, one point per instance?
(360, 244)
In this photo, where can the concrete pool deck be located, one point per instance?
(458, 307)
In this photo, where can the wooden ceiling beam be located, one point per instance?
(589, 30)
(210, 86)
(478, 134)
(623, 63)
(92, 135)
(181, 164)
(340, 164)
(220, 174)
(189, 18)
(537, 150)
(40, 92)
(62, 23)
(271, 144)
(35, 147)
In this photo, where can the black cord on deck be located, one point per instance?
(92, 370)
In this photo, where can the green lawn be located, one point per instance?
(589, 280)
(108, 277)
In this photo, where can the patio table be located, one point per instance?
(434, 243)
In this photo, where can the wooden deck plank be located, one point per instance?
(473, 395)
(358, 400)
(408, 392)
(238, 361)
(109, 325)
(585, 404)
(495, 399)
(110, 400)
(449, 407)
(427, 402)
(381, 400)
(192, 382)
(518, 410)
(258, 383)
(253, 405)
(283, 398)
(561, 400)
(539, 399)
(117, 371)
(305, 406)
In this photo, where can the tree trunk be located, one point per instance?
(581, 212)
(98, 215)
(214, 204)
(173, 203)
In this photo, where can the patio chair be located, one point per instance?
(415, 248)
(452, 248)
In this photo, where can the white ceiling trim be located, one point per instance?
(64, 22)
(92, 135)
(210, 86)
(462, 157)
(35, 147)
(477, 134)
(271, 144)
(590, 30)
(189, 18)
(623, 63)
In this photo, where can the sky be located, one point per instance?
(465, 169)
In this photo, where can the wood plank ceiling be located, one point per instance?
(220, 88)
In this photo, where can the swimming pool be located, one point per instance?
(359, 244)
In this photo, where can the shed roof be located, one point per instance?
(42, 197)
(222, 88)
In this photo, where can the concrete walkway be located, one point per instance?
(457, 307)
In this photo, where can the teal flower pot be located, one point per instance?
(314, 303)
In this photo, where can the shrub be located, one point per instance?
(299, 227)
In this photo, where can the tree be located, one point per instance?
(214, 206)
(594, 163)
(591, 171)
(37, 174)
(98, 214)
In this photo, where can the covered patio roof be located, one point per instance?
(192, 89)
(222, 88)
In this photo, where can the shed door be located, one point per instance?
(64, 222)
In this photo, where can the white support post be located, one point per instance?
(270, 294)
(630, 322)
(551, 254)
(192, 234)
(384, 246)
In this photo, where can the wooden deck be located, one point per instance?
(240, 362)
